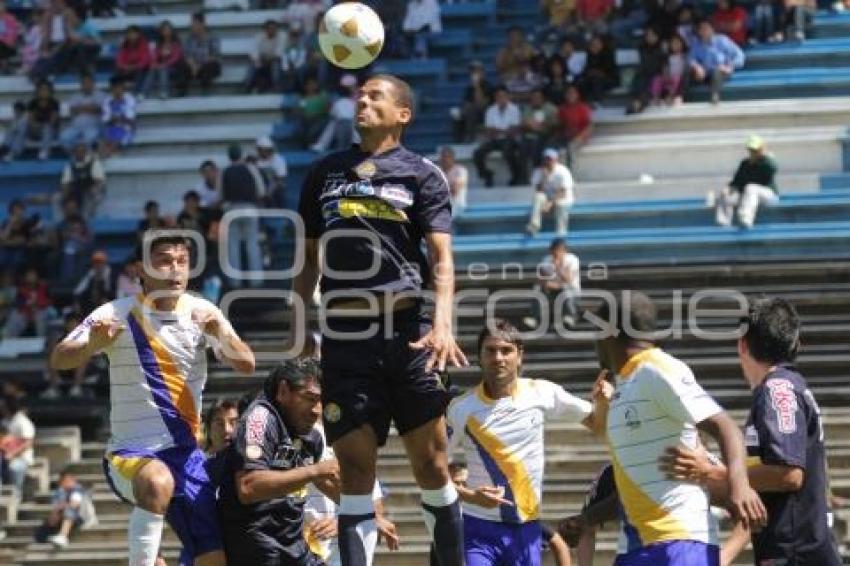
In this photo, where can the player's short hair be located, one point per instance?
(501, 329)
(773, 330)
(159, 238)
(403, 94)
(558, 243)
(296, 374)
(634, 306)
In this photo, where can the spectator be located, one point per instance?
(476, 99)
(675, 76)
(74, 242)
(34, 39)
(648, 72)
(601, 73)
(22, 432)
(305, 13)
(10, 30)
(514, 53)
(501, 133)
(55, 377)
(553, 186)
(209, 187)
(34, 308)
(572, 61)
(151, 221)
(731, 20)
(41, 122)
(17, 234)
(167, 65)
(273, 168)
(764, 22)
(630, 16)
(192, 217)
(66, 514)
(457, 177)
(665, 16)
(685, 25)
(392, 15)
(339, 131)
(421, 20)
(8, 295)
(796, 15)
(264, 72)
(202, 54)
(714, 57)
(312, 111)
(293, 61)
(593, 15)
(134, 59)
(53, 34)
(85, 107)
(560, 16)
(559, 279)
(129, 282)
(754, 184)
(556, 82)
(539, 125)
(95, 287)
(119, 119)
(79, 50)
(521, 84)
(242, 189)
(84, 180)
(576, 119)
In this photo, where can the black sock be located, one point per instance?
(446, 523)
(358, 532)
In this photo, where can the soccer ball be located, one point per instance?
(351, 35)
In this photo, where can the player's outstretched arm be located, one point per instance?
(440, 340)
(256, 486)
(91, 337)
(231, 349)
(303, 286)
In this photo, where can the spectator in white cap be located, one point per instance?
(339, 133)
(457, 176)
(553, 186)
(754, 184)
(273, 167)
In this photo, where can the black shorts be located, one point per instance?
(379, 379)
(602, 488)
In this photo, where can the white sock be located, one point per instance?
(144, 532)
(358, 531)
(442, 497)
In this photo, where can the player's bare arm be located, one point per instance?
(303, 286)
(486, 496)
(233, 351)
(72, 353)
(440, 339)
(597, 421)
(262, 485)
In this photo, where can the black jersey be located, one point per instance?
(269, 532)
(375, 210)
(784, 428)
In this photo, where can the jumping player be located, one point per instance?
(374, 205)
(156, 343)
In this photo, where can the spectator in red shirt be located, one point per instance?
(34, 307)
(731, 19)
(10, 29)
(168, 66)
(593, 14)
(134, 58)
(576, 120)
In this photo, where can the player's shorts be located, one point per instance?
(490, 542)
(602, 488)
(379, 379)
(192, 511)
(672, 553)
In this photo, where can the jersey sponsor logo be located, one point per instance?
(784, 402)
(366, 169)
(255, 426)
(631, 417)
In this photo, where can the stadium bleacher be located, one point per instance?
(654, 236)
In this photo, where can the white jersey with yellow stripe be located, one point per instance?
(157, 370)
(657, 404)
(502, 440)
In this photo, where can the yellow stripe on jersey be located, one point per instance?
(642, 356)
(527, 505)
(127, 466)
(370, 208)
(653, 522)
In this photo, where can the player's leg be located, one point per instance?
(357, 453)
(153, 486)
(427, 447)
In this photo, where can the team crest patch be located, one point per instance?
(332, 412)
(366, 170)
(255, 427)
(253, 452)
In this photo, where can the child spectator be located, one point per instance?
(34, 308)
(119, 118)
(10, 30)
(41, 123)
(731, 19)
(458, 178)
(264, 71)
(33, 41)
(66, 514)
(167, 65)
(648, 72)
(85, 107)
(421, 20)
(601, 73)
(576, 119)
(312, 111)
(202, 53)
(134, 59)
(673, 82)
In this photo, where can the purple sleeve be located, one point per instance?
(432, 207)
(781, 424)
(309, 205)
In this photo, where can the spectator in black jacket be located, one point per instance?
(601, 73)
(651, 66)
(476, 98)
